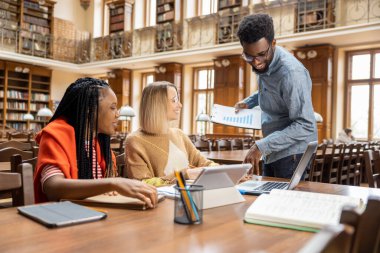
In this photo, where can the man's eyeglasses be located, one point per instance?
(250, 58)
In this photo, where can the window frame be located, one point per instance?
(195, 92)
(371, 81)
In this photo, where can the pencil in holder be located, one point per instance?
(188, 203)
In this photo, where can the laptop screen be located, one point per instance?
(305, 159)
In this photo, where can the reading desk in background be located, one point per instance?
(223, 230)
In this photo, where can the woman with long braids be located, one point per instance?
(75, 148)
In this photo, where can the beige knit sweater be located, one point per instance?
(147, 154)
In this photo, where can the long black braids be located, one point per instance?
(79, 106)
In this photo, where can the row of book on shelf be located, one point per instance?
(36, 21)
(23, 105)
(165, 7)
(7, 6)
(117, 11)
(165, 16)
(25, 95)
(8, 15)
(35, 6)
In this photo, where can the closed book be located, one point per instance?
(298, 210)
(118, 201)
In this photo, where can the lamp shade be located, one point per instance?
(203, 117)
(44, 112)
(127, 111)
(28, 116)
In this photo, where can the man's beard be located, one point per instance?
(261, 71)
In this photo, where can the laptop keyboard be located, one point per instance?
(268, 186)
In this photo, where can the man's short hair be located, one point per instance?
(255, 27)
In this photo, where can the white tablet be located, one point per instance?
(221, 176)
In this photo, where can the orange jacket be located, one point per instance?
(57, 147)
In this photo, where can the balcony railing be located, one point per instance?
(289, 17)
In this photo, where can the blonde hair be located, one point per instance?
(153, 107)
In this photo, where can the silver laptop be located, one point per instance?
(222, 176)
(259, 187)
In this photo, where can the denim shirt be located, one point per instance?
(284, 96)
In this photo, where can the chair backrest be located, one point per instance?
(6, 153)
(237, 144)
(24, 136)
(318, 162)
(203, 145)
(16, 160)
(222, 144)
(120, 164)
(366, 237)
(330, 239)
(372, 167)
(26, 146)
(20, 184)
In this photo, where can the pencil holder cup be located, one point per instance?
(188, 203)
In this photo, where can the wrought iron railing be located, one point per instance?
(290, 17)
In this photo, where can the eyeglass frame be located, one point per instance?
(247, 57)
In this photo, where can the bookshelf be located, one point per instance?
(25, 88)
(120, 18)
(168, 33)
(230, 13)
(9, 21)
(36, 25)
(314, 15)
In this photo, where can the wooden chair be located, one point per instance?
(366, 237)
(372, 167)
(354, 165)
(6, 153)
(237, 144)
(117, 145)
(26, 146)
(345, 163)
(332, 172)
(16, 160)
(20, 184)
(223, 145)
(318, 163)
(24, 136)
(120, 164)
(203, 145)
(330, 239)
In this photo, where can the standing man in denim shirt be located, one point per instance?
(284, 95)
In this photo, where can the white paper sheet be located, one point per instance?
(245, 118)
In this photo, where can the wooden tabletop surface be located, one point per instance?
(223, 230)
(235, 156)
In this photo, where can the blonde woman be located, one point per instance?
(155, 150)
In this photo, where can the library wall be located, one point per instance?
(71, 10)
(60, 80)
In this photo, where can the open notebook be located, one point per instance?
(307, 211)
(260, 187)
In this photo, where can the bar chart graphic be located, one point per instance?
(246, 118)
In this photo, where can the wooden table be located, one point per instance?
(226, 157)
(223, 230)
